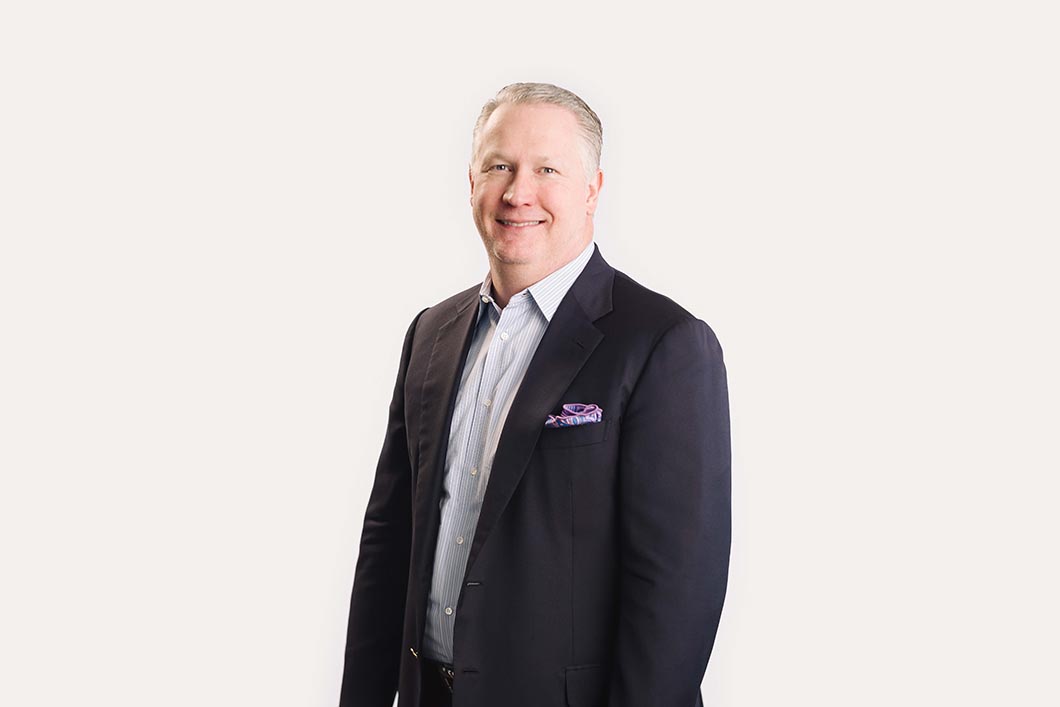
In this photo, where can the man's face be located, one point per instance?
(530, 197)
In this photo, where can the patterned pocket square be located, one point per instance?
(575, 414)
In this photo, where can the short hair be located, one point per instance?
(592, 131)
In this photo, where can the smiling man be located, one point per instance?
(549, 521)
(534, 186)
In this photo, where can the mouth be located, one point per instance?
(518, 224)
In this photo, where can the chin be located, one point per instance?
(513, 256)
(516, 253)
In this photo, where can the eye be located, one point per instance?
(548, 170)
(499, 167)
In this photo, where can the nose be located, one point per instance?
(520, 191)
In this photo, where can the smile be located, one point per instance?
(518, 224)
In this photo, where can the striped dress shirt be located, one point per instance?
(504, 341)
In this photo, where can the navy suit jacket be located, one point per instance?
(598, 568)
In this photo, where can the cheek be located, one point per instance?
(486, 193)
(479, 199)
(565, 203)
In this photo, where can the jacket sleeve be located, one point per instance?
(674, 489)
(377, 604)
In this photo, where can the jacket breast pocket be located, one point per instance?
(575, 435)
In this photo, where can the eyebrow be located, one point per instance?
(490, 156)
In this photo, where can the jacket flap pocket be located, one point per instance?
(586, 685)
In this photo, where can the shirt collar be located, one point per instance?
(547, 292)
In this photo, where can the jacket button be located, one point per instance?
(414, 653)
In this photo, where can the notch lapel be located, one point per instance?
(565, 346)
(437, 400)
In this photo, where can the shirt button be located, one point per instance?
(485, 299)
(487, 402)
(448, 611)
(460, 540)
(474, 471)
(504, 336)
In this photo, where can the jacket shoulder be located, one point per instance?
(650, 312)
(440, 313)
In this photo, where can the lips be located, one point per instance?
(518, 224)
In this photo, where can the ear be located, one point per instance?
(471, 178)
(594, 192)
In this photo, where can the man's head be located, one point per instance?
(592, 132)
(535, 177)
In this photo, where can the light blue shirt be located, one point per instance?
(503, 343)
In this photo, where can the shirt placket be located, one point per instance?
(484, 418)
(486, 407)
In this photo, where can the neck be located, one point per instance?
(507, 280)
(510, 278)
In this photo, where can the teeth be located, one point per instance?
(519, 223)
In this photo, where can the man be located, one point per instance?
(549, 522)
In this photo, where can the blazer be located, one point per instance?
(598, 567)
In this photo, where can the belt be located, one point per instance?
(444, 670)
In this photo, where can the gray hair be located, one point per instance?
(592, 132)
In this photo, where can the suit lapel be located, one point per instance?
(437, 400)
(566, 345)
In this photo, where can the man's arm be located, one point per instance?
(674, 476)
(377, 605)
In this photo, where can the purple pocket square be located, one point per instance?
(575, 414)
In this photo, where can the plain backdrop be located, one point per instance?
(218, 219)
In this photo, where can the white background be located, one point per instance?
(218, 219)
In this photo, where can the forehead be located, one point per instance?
(531, 127)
